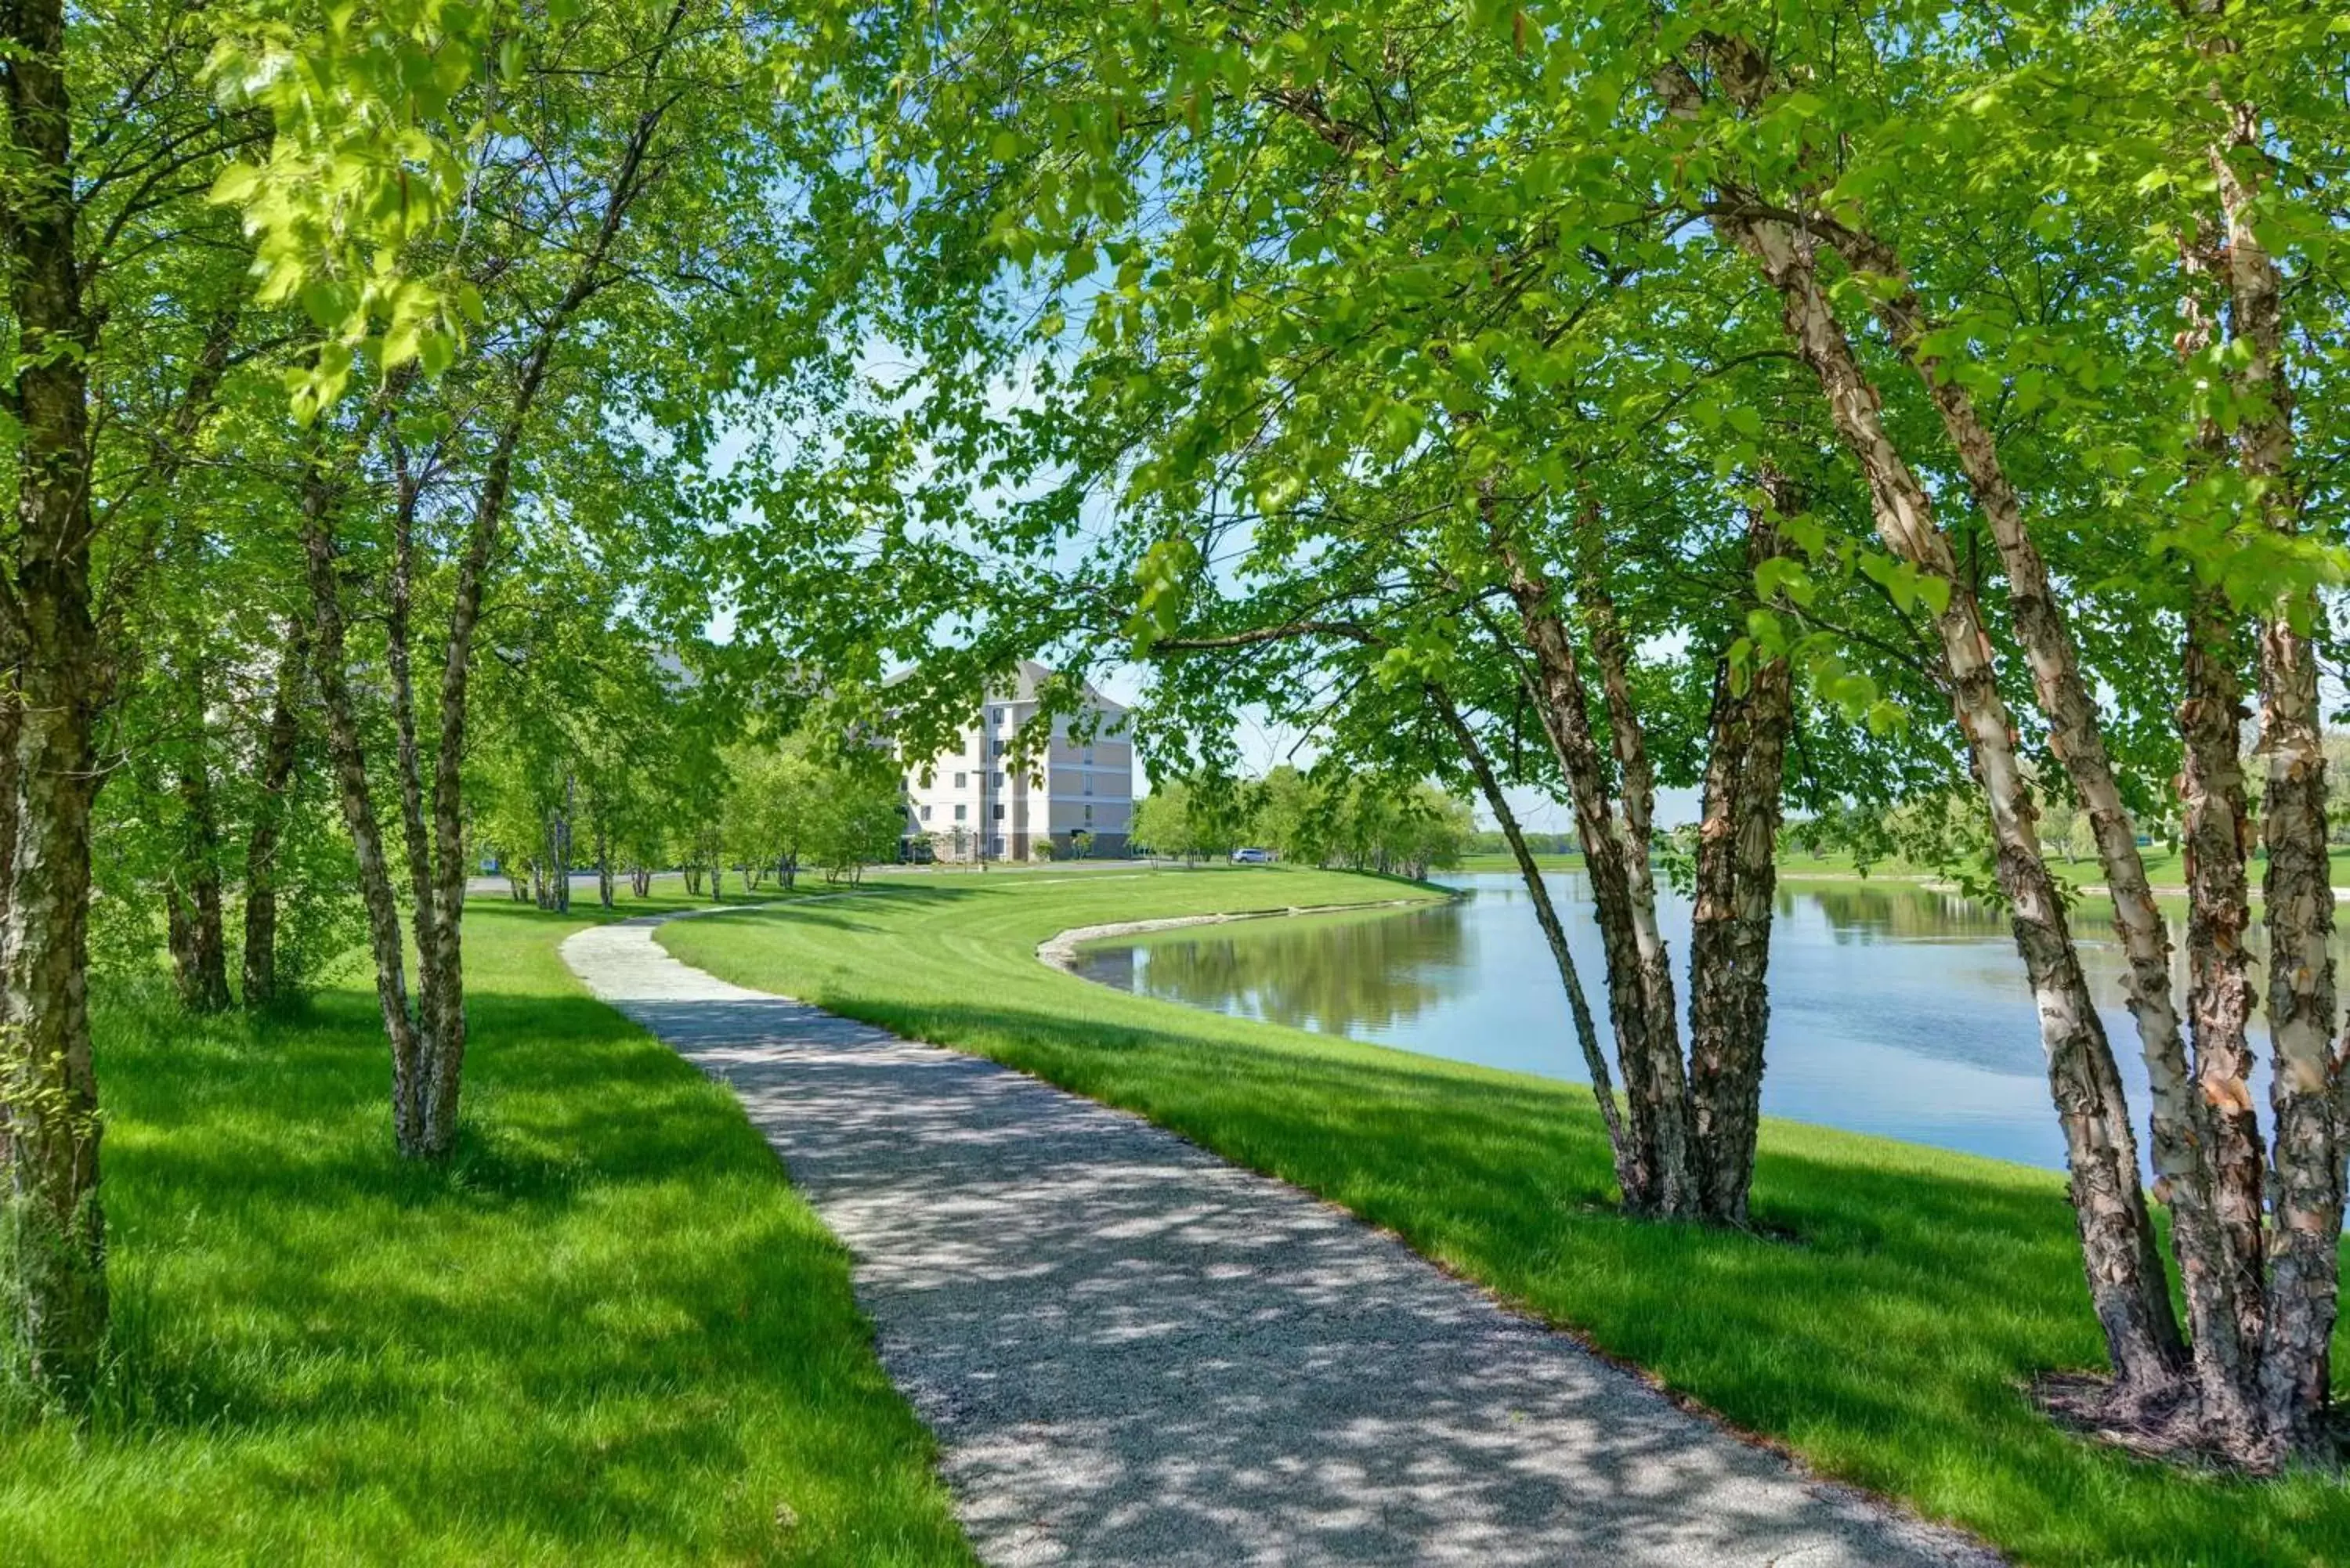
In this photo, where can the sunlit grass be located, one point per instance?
(1888, 1342)
(2164, 867)
(608, 1334)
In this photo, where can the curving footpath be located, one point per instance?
(1136, 1355)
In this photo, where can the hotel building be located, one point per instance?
(971, 803)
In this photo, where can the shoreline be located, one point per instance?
(1059, 951)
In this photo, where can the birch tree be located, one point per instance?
(2247, 1376)
(601, 191)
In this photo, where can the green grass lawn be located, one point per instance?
(2165, 869)
(610, 1334)
(1472, 863)
(1887, 1342)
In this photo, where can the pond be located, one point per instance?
(1895, 1009)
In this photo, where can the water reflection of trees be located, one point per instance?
(1860, 912)
(1344, 977)
(1856, 912)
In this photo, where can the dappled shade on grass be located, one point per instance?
(609, 1333)
(1884, 1326)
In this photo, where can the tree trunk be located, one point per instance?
(1586, 1033)
(2216, 839)
(200, 956)
(52, 1228)
(1636, 823)
(2297, 895)
(563, 843)
(442, 960)
(1662, 1184)
(693, 879)
(280, 746)
(2127, 1284)
(554, 889)
(1730, 939)
(179, 937)
(2180, 1123)
(2218, 990)
(345, 748)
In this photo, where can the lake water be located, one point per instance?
(1895, 1009)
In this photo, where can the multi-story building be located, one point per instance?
(971, 802)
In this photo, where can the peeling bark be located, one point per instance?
(2305, 1096)
(1730, 941)
(2181, 1138)
(2219, 988)
(2217, 838)
(1662, 1185)
(1586, 1033)
(1635, 824)
(2127, 1284)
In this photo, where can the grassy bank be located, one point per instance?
(1888, 1344)
(609, 1334)
(2164, 867)
(1478, 863)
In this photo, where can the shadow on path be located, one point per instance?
(1135, 1354)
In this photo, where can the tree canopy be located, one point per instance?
(455, 433)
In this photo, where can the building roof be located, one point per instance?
(1028, 675)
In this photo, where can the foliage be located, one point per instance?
(823, 796)
(1328, 817)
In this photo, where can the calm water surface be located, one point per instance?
(1895, 1009)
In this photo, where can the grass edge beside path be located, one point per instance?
(610, 1332)
(1888, 1346)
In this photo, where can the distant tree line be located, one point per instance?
(600, 752)
(1495, 842)
(1942, 830)
(1406, 828)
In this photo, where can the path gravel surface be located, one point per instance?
(1136, 1355)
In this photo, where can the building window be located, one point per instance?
(962, 814)
(1089, 783)
(999, 718)
(1089, 757)
(999, 845)
(996, 749)
(999, 811)
(963, 780)
(995, 781)
(1089, 817)
(926, 813)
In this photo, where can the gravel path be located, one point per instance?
(1135, 1355)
